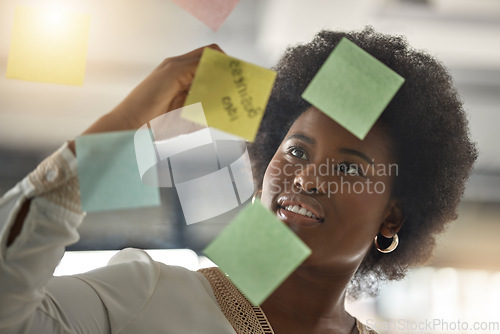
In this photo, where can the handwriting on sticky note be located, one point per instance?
(353, 88)
(48, 46)
(257, 252)
(244, 97)
(233, 93)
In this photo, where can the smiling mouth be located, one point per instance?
(300, 210)
(297, 216)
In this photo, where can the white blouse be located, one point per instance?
(133, 294)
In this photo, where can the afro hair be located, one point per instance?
(428, 127)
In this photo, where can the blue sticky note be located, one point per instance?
(109, 175)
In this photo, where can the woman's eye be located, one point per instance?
(349, 169)
(297, 152)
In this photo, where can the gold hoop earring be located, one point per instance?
(392, 246)
(256, 195)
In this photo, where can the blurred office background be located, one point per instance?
(129, 38)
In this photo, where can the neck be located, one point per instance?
(310, 299)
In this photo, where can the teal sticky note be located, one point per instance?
(257, 252)
(353, 88)
(108, 173)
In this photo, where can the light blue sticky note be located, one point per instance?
(108, 173)
(257, 252)
(353, 88)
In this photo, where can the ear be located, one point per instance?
(393, 220)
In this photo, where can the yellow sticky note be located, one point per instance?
(233, 93)
(48, 46)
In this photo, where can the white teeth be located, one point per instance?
(300, 210)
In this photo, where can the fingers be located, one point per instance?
(182, 72)
(183, 67)
(195, 54)
(165, 89)
(186, 66)
(215, 47)
(178, 101)
(199, 51)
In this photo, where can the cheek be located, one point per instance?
(273, 183)
(370, 189)
(376, 196)
(364, 207)
(273, 170)
(354, 221)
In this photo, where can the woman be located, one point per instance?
(418, 153)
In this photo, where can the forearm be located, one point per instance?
(40, 216)
(47, 204)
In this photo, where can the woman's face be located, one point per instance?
(332, 189)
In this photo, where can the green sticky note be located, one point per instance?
(353, 88)
(233, 94)
(108, 173)
(257, 252)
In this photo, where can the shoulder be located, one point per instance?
(133, 267)
(133, 282)
(139, 292)
(130, 270)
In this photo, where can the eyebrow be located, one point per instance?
(302, 137)
(356, 153)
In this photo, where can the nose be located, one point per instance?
(308, 181)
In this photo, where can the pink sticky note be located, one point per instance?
(211, 12)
